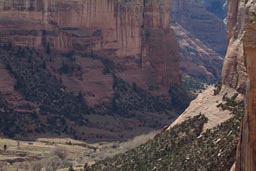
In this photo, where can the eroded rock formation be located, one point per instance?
(206, 26)
(198, 62)
(113, 28)
(234, 70)
(241, 58)
(76, 24)
(75, 58)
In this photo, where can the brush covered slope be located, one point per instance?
(199, 64)
(90, 70)
(200, 32)
(134, 33)
(36, 101)
(200, 18)
(186, 146)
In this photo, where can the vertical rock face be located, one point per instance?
(217, 7)
(242, 50)
(234, 70)
(76, 24)
(198, 62)
(194, 17)
(248, 140)
(156, 43)
(114, 28)
(116, 57)
(200, 31)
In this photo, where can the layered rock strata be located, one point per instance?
(116, 29)
(203, 24)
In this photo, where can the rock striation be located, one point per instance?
(196, 18)
(113, 28)
(104, 66)
(73, 24)
(239, 60)
(234, 71)
(198, 62)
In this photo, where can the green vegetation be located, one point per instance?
(232, 105)
(182, 148)
(12, 122)
(39, 86)
(51, 108)
(48, 48)
(71, 169)
(109, 66)
(191, 83)
(217, 89)
(151, 154)
(180, 98)
(128, 98)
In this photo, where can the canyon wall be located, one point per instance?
(105, 65)
(239, 60)
(203, 24)
(75, 24)
(234, 70)
(113, 28)
(157, 39)
(200, 31)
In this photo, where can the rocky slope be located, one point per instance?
(187, 145)
(200, 60)
(217, 7)
(237, 73)
(103, 66)
(201, 18)
(199, 64)
(238, 68)
(208, 103)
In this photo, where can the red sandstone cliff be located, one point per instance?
(114, 28)
(239, 60)
(203, 24)
(76, 24)
(200, 32)
(114, 55)
(234, 70)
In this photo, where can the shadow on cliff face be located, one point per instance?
(200, 31)
(41, 95)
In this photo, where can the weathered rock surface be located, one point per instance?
(217, 7)
(196, 18)
(73, 24)
(106, 65)
(234, 70)
(113, 28)
(207, 104)
(242, 47)
(198, 61)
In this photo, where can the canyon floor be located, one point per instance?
(60, 152)
(220, 108)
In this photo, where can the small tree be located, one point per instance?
(18, 145)
(71, 168)
(48, 48)
(5, 147)
(86, 166)
(61, 152)
(134, 87)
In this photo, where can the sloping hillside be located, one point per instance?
(186, 146)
